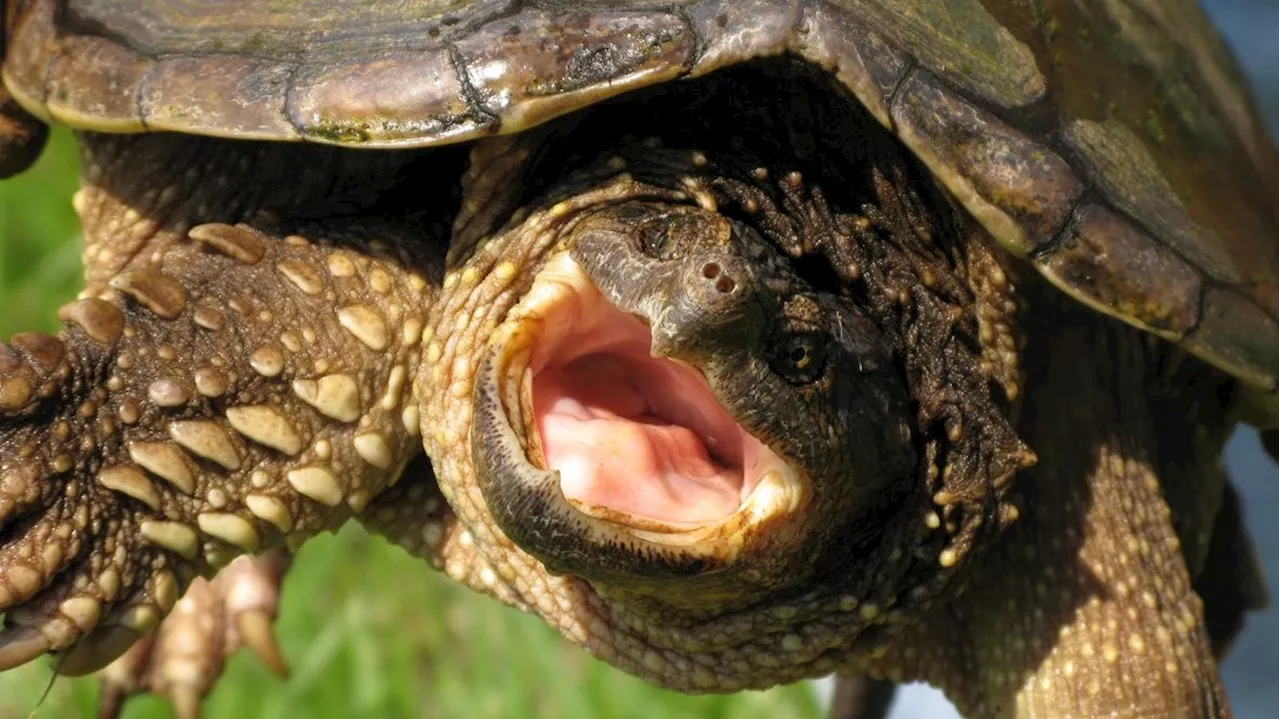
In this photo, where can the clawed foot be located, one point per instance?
(244, 392)
(183, 659)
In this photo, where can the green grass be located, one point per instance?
(369, 631)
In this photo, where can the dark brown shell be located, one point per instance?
(1111, 144)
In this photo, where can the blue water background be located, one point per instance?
(1250, 671)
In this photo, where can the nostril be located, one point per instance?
(724, 283)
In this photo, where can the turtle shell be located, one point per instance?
(1111, 143)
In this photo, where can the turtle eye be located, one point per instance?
(800, 359)
(656, 241)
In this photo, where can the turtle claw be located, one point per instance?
(20, 645)
(184, 658)
(186, 701)
(257, 634)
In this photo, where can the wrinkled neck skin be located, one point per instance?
(1084, 607)
(721, 639)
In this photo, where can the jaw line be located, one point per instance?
(512, 358)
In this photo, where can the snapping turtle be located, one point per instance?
(1014, 234)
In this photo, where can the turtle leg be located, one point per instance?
(858, 696)
(183, 659)
(245, 391)
(1085, 606)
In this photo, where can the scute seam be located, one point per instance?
(470, 95)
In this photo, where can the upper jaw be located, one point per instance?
(528, 501)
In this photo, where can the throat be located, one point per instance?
(612, 428)
(635, 438)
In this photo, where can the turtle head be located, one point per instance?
(672, 412)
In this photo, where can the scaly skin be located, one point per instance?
(243, 391)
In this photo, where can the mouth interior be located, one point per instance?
(628, 432)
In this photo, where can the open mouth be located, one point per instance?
(635, 439)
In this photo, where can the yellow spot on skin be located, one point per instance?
(373, 449)
(209, 319)
(341, 265)
(365, 324)
(1136, 644)
(23, 580)
(1110, 654)
(290, 341)
(316, 483)
(129, 411)
(206, 439)
(141, 619)
(271, 510)
(166, 462)
(210, 382)
(174, 536)
(82, 611)
(216, 497)
(505, 270)
(358, 501)
(267, 361)
(411, 419)
(301, 275)
(379, 282)
(132, 482)
(947, 557)
(433, 352)
(410, 331)
(395, 386)
(109, 583)
(163, 295)
(265, 425)
(336, 396)
(168, 393)
(230, 528)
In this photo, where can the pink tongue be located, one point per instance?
(614, 425)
